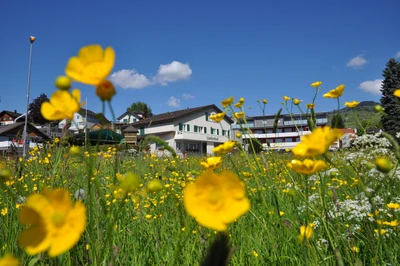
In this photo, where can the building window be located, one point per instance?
(195, 128)
(188, 127)
(207, 115)
(78, 117)
(125, 120)
(180, 126)
(223, 132)
(278, 140)
(141, 131)
(217, 131)
(200, 129)
(205, 130)
(288, 139)
(212, 131)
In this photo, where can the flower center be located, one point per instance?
(58, 218)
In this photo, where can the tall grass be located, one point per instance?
(347, 205)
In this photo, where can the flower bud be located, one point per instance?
(383, 165)
(5, 175)
(238, 134)
(378, 108)
(74, 150)
(296, 101)
(154, 186)
(105, 90)
(63, 83)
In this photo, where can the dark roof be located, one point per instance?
(135, 114)
(12, 114)
(170, 116)
(82, 111)
(103, 120)
(12, 129)
(130, 129)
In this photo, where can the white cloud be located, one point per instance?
(187, 96)
(372, 86)
(357, 62)
(174, 102)
(398, 54)
(130, 79)
(172, 72)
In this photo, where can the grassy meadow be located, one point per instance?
(350, 209)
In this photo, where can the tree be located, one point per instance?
(391, 82)
(35, 115)
(142, 108)
(337, 121)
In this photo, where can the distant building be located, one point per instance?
(83, 119)
(11, 137)
(189, 130)
(289, 131)
(8, 117)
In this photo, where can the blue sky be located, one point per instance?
(178, 54)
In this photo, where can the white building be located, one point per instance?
(189, 130)
(129, 117)
(289, 129)
(82, 119)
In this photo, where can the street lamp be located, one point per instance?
(25, 134)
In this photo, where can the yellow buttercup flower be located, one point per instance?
(216, 200)
(55, 224)
(63, 104)
(238, 115)
(212, 162)
(317, 142)
(393, 206)
(9, 260)
(228, 101)
(286, 98)
(307, 166)
(393, 223)
(397, 93)
(316, 84)
(224, 148)
(306, 232)
(217, 117)
(241, 100)
(265, 101)
(92, 65)
(335, 93)
(239, 134)
(238, 105)
(310, 106)
(351, 104)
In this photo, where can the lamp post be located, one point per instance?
(25, 134)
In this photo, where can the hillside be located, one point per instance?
(364, 111)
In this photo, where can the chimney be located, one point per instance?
(15, 110)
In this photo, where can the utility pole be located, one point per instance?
(25, 134)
